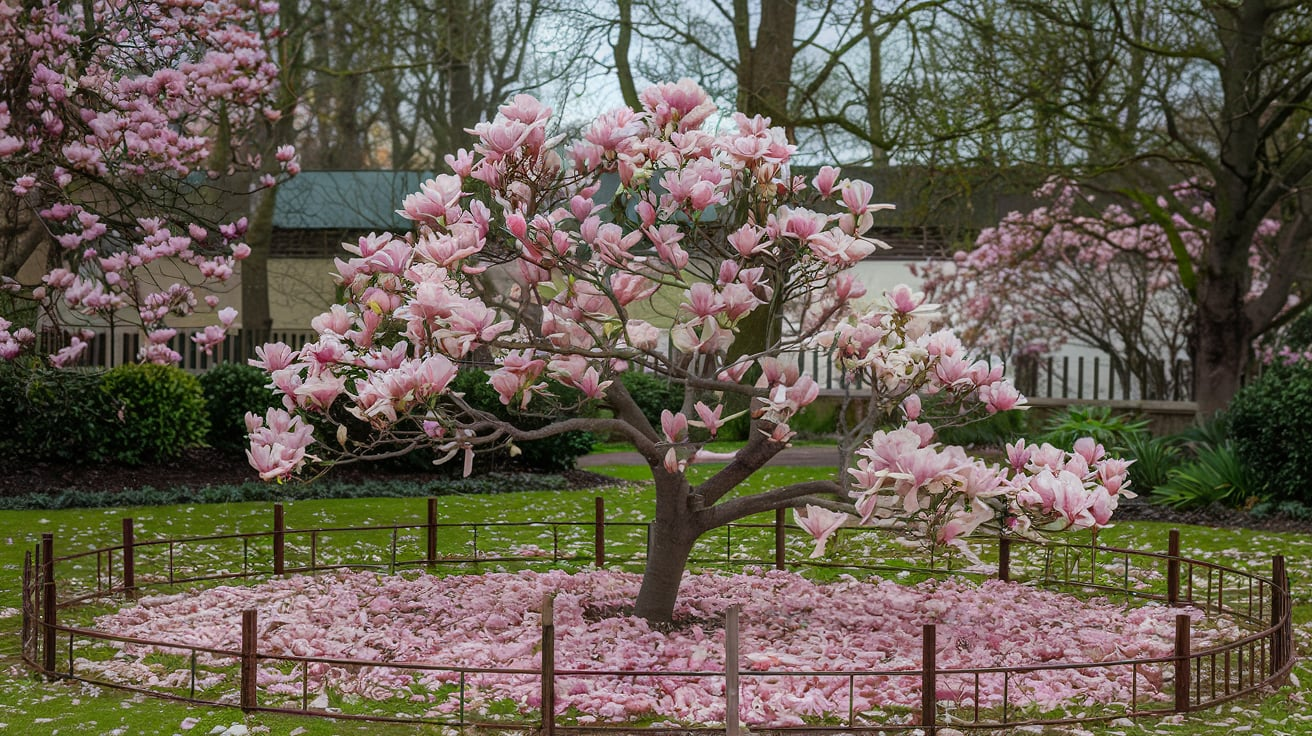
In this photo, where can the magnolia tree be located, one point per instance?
(117, 122)
(1118, 279)
(522, 264)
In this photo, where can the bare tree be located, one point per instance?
(1169, 90)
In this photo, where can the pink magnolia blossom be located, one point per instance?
(674, 425)
(820, 523)
(711, 419)
(825, 180)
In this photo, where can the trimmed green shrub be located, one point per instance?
(1113, 431)
(652, 394)
(1270, 423)
(53, 415)
(1216, 476)
(159, 411)
(231, 390)
(819, 419)
(551, 454)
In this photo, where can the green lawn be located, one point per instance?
(606, 448)
(29, 705)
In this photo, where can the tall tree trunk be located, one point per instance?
(464, 104)
(765, 72)
(1224, 339)
(1225, 332)
(874, 87)
(256, 314)
(765, 69)
(623, 70)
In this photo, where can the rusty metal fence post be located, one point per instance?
(1182, 623)
(1004, 558)
(599, 531)
(249, 620)
(732, 727)
(48, 608)
(279, 540)
(129, 559)
(1282, 637)
(780, 563)
(430, 551)
(1173, 567)
(929, 679)
(548, 666)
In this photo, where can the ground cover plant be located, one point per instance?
(24, 699)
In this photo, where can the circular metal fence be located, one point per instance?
(55, 588)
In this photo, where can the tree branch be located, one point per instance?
(752, 457)
(738, 508)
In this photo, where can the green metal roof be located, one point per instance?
(349, 200)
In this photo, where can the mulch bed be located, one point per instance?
(206, 467)
(1139, 509)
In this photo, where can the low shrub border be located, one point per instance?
(1200, 678)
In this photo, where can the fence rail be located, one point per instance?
(114, 347)
(1060, 377)
(1199, 677)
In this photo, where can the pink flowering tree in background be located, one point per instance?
(1118, 279)
(521, 264)
(119, 126)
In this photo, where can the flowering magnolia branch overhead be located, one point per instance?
(114, 120)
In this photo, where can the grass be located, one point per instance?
(29, 705)
(608, 448)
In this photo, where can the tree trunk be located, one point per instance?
(1225, 333)
(874, 87)
(256, 314)
(671, 542)
(1220, 365)
(623, 70)
(21, 233)
(765, 69)
(673, 532)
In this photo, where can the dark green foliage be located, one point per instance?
(324, 488)
(1271, 426)
(1287, 509)
(1112, 431)
(231, 390)
(1212, 433)
(819, 419)
(1217, 475)
(1154, 458)
(551, 454)
(53, 415)
(653, 394)
(995, 430)
(159, 411)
